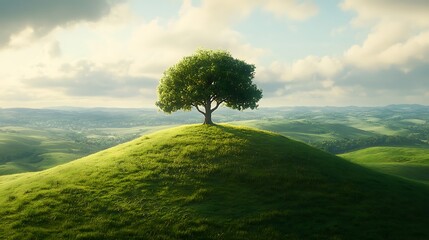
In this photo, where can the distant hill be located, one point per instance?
(407, 162)
(211, 182)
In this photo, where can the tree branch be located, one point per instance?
(212, 98)
(217, 105)
(198, 109)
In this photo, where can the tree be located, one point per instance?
(205, 80)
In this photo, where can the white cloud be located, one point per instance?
(119, 55)
(414, 12)
(154, 45)
(297, 10)
(21, 38)
(309, 68)
(21, 18)
(54, 50)
(308, 81)
(116, 58)
(335, 96)
(388, 67)
(414, 49)
(400, 37)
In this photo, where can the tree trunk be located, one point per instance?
(208, 118)
(208, 115)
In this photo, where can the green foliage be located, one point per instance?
(211, 182)
(206, 78)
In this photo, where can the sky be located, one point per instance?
(112, 53)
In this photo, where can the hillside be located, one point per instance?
(212, 182)
(37, 148)
(407, 162)
(38, 139)
(309, 131)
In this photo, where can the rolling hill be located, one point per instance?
(24, 150)
(37, 139)
(308, 131)
(407, 162)
(34, 149)
(212, 182)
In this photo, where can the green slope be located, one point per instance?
(408, 162)
(211, 182)
(24, 149)
(309, 131)
(34, 149)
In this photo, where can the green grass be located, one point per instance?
(212, 182)
(29, 149)
(373, 125)
(408, 162)
(415, 121)
(308, 131)
(23, 150)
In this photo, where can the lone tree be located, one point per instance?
(205, 80)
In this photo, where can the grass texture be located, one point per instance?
(212, 182)
(408, 162)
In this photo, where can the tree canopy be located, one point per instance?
(205, 80)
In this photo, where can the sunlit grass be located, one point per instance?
(29, 149)
(309, 131)
(211, 182)
(408, 162)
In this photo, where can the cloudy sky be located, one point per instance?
(112, 53)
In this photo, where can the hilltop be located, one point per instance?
(212, 182)
(38, 139)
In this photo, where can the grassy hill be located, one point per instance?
(408, 162)
(24, 149)
(212, 182)
(335, 136)
(309, 131)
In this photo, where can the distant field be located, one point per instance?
(29, 149)
(24, 149)
(407, 162)
(309, 131)
(335, 136)
(36, 139)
